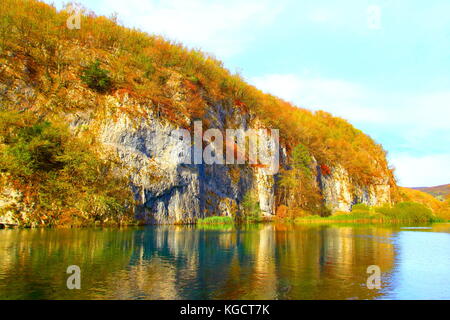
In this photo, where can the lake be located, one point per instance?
(262, 261)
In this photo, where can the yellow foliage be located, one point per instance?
(36, 47)
(440, 208)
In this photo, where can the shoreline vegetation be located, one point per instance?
(403, 212)
(231, 220)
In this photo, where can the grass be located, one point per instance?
(403, 212)
(230, 220)
(216, 220)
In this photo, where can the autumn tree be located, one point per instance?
(298, 190)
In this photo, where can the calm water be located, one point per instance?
(266, 261)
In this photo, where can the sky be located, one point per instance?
(384, 65)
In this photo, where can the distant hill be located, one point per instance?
(414, 195)
(440, 192)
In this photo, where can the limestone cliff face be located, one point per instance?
(168, 191)
(340, 193)
(154, 84)
(11, 198)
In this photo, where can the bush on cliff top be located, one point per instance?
(96, 78)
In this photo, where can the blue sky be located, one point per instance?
(384, 65)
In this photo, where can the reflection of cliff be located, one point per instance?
(326, 262)
(350, 246)
(266, 261)
(265, 264)
(34, 262)
(151, 279)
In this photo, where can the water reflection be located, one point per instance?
(265, 261)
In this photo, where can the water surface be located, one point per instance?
(265, 261)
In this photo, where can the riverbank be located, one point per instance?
(360, 219)
(403, 212)
(100, 224)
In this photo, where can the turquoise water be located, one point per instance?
(264, 261)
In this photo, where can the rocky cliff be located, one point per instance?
(168, 191)
(340, 192)
(128, 92)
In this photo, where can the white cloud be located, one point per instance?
(424, 171)
(226, 28)
(419, 121)
(342, 98)
(357, 103)
(223, 28)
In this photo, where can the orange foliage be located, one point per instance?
(142, 64)
(325, 170)
(121, 93)
(282, 212)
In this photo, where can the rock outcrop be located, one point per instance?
(340, 192)
(131, 92)
(168, 191)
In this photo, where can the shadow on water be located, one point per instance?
(263, 261)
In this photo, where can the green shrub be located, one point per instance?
(403, 212)
(61, 177)
(408, 211)
(96, 78)
(250, 206)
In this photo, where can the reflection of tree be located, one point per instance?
(252, 271)
(326, 262)
(34, 262)
(265, 261)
